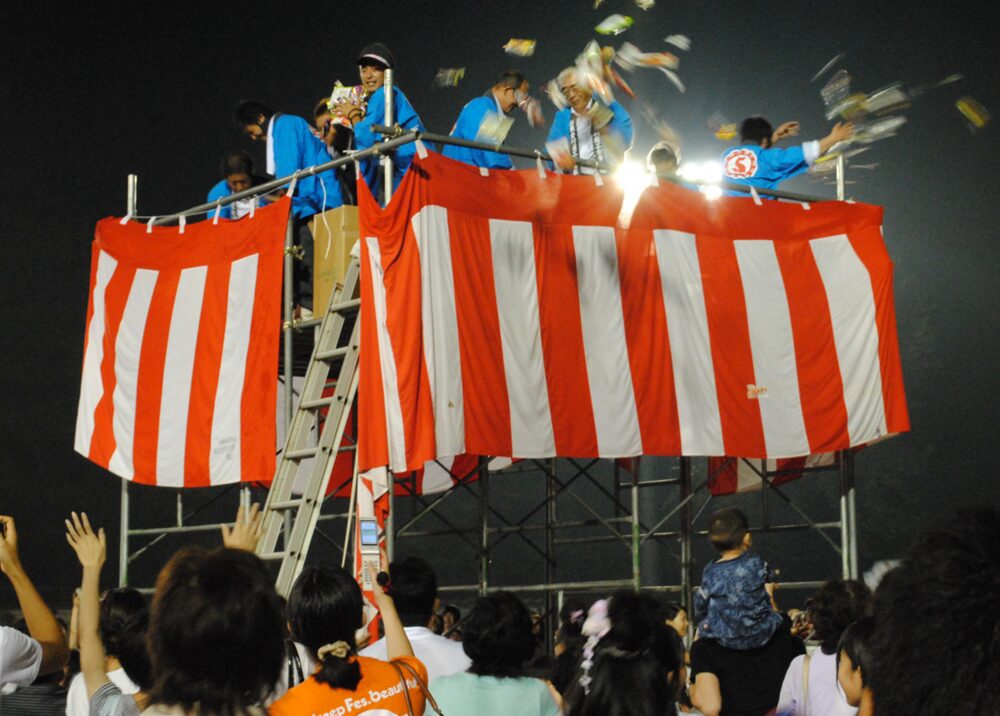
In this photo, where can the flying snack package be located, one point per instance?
(887, 100)
(532, 108)
(726, 132)
(681, 42)
(520, 48)
(867, 132)
(976, 114)
(645, 4)
(673, 77)
(600, 115)
(558, 150)
(598, 3)
(614, 24)
(449, 77)
(592, 71)
(494, 128)
(827, 67)
(836, 90)
(552, 89)
(621, 83)
(629, 57)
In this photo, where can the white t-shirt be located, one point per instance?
(77, 703)
(441, 656)
(826, 698)
(20, 657)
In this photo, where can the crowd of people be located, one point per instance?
(215, 639)
(590, 134)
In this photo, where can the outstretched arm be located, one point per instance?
(841, 132)
(91, 550)
(42, 624)
(397, 644)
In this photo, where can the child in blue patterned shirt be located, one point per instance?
(733, 604)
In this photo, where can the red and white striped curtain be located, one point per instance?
(179, 369)
(506, 313)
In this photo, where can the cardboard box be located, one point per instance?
(334, 233)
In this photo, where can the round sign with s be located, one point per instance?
(740, 164)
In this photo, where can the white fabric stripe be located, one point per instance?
(178, 368)
(437, 476)
(128, 346)
(611, 392)
(224, 464)
(773, 350)
(91, 387)
(690, 349)
(440, 327)
(395, 436)
(855, 332)
(516, 285)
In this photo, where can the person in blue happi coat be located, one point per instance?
(237, 176)
(291, 146)
(759, 163)
(487, 119)
(593, 130)
(373, 61)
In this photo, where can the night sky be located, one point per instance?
(95, 91)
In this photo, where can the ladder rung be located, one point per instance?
(344, 305)
(317, 403)
(333, 353)
(285, 504)
(273, 556)
(298, 454)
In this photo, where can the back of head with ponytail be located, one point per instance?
(325, 607)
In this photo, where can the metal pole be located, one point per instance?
(841, 178)
(484, 522)
(131, 202)
(686, 531)
(390, 520)
(554, 602)
(289, 311)
(123, 539)
(845, 537)
(636, 541)
(390, 120)
(852, 533)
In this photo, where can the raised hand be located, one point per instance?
(247, 531)
(90, 546)
(9, 560)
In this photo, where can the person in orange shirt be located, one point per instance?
(325, 609)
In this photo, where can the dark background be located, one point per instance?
(95, 91)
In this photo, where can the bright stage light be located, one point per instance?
(707, 175)
(632, 178)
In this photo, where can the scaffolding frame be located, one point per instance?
(637, 533)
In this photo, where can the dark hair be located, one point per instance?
(322, 107)
(834, 607)
(936, 647)
(510, 78)
(856, 642)
(248, 111)
(756, 130)
(569, 636)
(672, 609)
(237, 163)
(662, 152)
(216, 632)
(414, 588)
(497, 636)
(632, 663)
(132, 651)
(454, 611)
(117, 606)
(727, 528)
(325, 607)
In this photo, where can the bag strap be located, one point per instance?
(406, 691)
(805, 686)
(428, 697)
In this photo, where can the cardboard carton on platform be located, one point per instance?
(334, 233)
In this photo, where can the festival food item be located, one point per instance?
(614, 24)
(520, 48)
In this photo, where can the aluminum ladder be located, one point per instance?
(290, 519)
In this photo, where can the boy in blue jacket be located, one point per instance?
(486, 119)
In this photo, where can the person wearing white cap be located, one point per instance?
(373, 61)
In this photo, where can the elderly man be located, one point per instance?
(486, 119)
(594, 130)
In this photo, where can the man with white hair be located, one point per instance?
(594, 130)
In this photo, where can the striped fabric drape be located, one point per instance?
(511, 314)
(179, 384)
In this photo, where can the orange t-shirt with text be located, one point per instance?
(379, 693)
